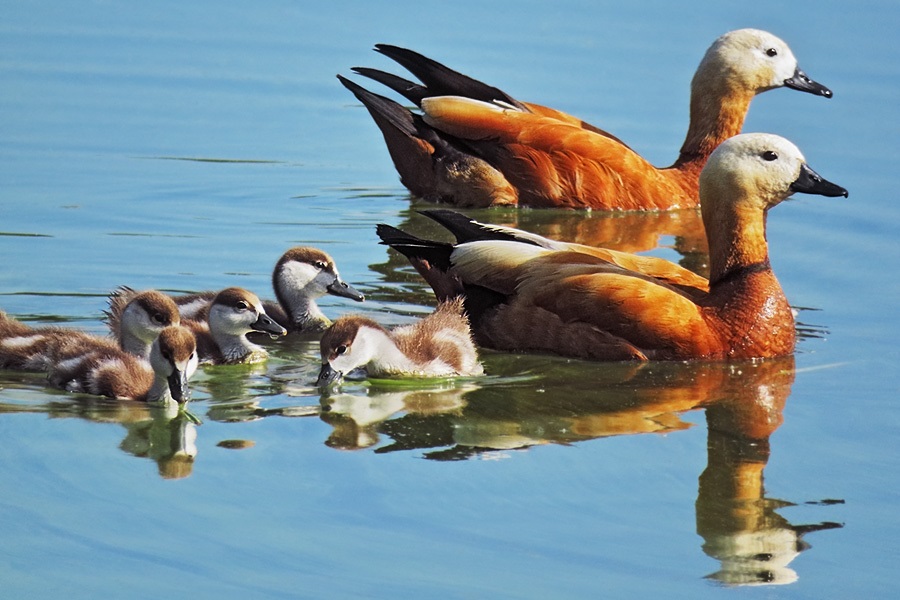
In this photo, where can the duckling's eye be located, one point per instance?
(769, 155)
(342, 349)
(158, 318)
(771, 52)
(243, 305)
(320, 265)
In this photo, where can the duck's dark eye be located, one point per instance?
(771, 52)
(769, 155)
(243, 305)
(320, 265)
(159, 318)
(340, 350)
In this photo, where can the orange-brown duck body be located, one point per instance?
(522, 296)
(476, 146)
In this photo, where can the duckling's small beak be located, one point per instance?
(178, 386)
(810, 182)
(345, 290)
(328, 376)
(265, 323)
(800, 81)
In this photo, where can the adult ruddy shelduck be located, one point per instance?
(473, 145)
(521, 296)
(438, 345)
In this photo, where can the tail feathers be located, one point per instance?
(430, 258)
(443, 81)
(436, 253)
(408, 89)
(383, 109)
(466, 229)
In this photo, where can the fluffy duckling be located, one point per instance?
(222, 337)
(301, 276)
(25, 348)
(524, 297)
(439, 345)
(162, 378)
(136, 318)
(79, 362)
(474, 145)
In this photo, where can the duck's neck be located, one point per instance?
(302, 310)
(132, 344)
(717, 113)
(307, 316)
(159, 392)
(237, 348)
(737, 243)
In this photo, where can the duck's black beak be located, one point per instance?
(265, 324)
(345, 290)
(800, 81)
(328, 376)
(178, 386)
(810, 182)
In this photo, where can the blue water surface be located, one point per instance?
(185, 146)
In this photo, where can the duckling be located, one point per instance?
(162, 378)
(27, 348)
(476, 146)
(222, 337)
(301, 276)
(79, 362)
(439, 345)
(136, 318)
(524, 297)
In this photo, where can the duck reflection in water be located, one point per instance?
(355, 418)
(743, 403)
(166, 434)
(739, 524)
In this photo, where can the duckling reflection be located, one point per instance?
(168, 437)
(166, 434)
(355, 418)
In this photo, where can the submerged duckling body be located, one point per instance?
(524, 297)
(474, 145)
(439, 345)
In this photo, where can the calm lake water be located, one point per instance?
(185, 146)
